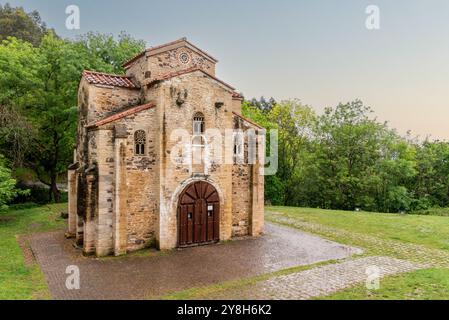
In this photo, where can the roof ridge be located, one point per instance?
(149, 49)
(121, 114)
(101, 78)
(166, 44)
(247, 120)
(170, 75)
(175, 73)
(106, 74)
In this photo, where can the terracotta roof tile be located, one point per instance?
(247, 120)
(149, 50)
(121, 115)
(186, 71)
(237, 95)
(109, 79)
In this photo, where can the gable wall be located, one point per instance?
(202, 93)
(151, 66)
(108, 100)
(168, 61)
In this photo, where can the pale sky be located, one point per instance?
(316, 50)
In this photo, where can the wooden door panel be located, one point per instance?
(198, 214)
(189, 224)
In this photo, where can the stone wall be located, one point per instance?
(241, 200)
(96, 102)
(169, 61)
(105, 213)
(151, 66)
(138, 71)
(142, 176)
(108, 100)
(202, 94)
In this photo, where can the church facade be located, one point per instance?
(145, 173)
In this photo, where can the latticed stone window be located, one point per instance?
(238, 145)
(198, 129)
(198, 142)
(140, 140)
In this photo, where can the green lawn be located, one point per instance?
(413, 237)
(429, 284)
(417, 238)
(18, 281)
(430, 231)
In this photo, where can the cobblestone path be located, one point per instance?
(382, 247)
(318, 281)
(144, 277)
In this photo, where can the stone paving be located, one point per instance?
(408, 251)
(319, 281)
(144, 277)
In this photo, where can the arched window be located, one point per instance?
(140, 140)
(238, 145)
(198, 124)
(198, 142)
(198, 129)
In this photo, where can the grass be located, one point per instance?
(429, 231)
(428, 284)
(405, 231)
(207, 291)
(18, 281)
(433, 211)
(418, 238)
(21, 281)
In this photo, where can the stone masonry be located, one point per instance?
(124, 194)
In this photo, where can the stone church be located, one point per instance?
(127, 191)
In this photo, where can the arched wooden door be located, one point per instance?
(198, 215)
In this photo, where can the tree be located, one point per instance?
(103, 52)
(15, 22)
(15, 135)
(39, 96)
(294, 123)
(431, 186)
(18, 72)
(264, 105)
(8, 189)
(18, 80)
(54, 112)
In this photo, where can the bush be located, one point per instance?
(37, 194)
(8, 190)
(444, 212)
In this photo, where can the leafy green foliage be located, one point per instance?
(38, 94)
(102, 52)
(20, 281)
(15, 22)
(8, 189)
(346, 159)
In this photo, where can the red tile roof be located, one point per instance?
(247, 120)
(149, 50)
(108, 79)
(121, 115)
(186, 71)
(237, 95)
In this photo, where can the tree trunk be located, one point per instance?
(54, 191)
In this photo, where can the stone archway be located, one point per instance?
(198, 214)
